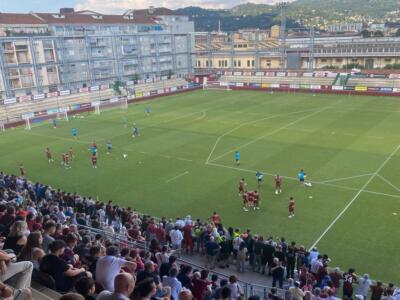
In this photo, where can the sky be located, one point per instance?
(115, 6)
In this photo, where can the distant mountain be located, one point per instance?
(300, 12)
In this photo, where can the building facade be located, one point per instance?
(43, 52)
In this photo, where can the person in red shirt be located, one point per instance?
(291, 207)
(62, 159)
(349, 278)
(278, 184)
(245, 196)
(215, 218)
(188, 237)
(250, 203)
(66, 160)
(49, 155)
(21, 169)
(256, 200)
(94, 161)
(242, 184)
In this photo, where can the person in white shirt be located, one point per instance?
(173, 283)
(109, 266)
(176, 239)
(363, 286)
(124, 284)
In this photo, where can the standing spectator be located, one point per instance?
(64, 275)
(377, 291)
(241, 257)
(258, 246)
(290, 260)
(335, 278)
(200, 284)
(166, 267)
(267, 256)
(173, 283)
(188, 237)
(236, 289)
(16, 239)
(176, 240)
(278, 273)
(124, 284)
(363, 286)
(184, 277)
(211, 253)
(222, 284)
(295, 292)
(109, 266)
(226, 293)
(348, 279)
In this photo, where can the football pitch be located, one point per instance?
(183, 163)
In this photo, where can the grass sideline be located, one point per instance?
(183, 164)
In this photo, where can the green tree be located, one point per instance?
(398, 32)
(135, 77)
(365, 33)
(378, 33)
(116, 86)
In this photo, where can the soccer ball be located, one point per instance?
(125, 155)
(308, 184)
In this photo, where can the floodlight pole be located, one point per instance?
(282, 36)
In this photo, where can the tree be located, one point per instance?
(378, 33)
(365, 33)
(398, 32)
(170, 73)
(116, 86)
(135, 77)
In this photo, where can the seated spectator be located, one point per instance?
(72, 296)
(94, 255)
(124, 284)
(226, 293)
(49, 231)
(33, 251)
(8, 218)
(64, 275)
(16, 239)
(109, 266)
(185, 295)
(234, 286)
(135, 255)
(173, 283)
(17, 274)
(184, 277)
(166, 267)
(295, 291)
(144, 290)
(69, 255)
(86, 287)
(83, 249)
(9, 293)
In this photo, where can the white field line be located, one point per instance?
(354, 198)
(344, 178)
(389, 183)
(248, 123)
(176, 177)
(263, 136)
(381, 194)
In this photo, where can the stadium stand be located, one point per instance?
(14, 112)
(72, 243)
(374, 82)
(278, 80)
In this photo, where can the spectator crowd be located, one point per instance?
(86, 249)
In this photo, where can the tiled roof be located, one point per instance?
(158, 11)
(11, 18)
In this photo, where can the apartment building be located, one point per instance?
(46, 52)
(301, 51)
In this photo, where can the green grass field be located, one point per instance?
(183, 164)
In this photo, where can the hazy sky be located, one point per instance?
(114, 6)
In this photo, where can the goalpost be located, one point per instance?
(113, 103)
(54, 118)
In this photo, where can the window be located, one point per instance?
(226, 63)
(207, 63)
(234, 63)
(253, 63)
(198, 63)
(219, 63)
(248, 63)
(239, 63)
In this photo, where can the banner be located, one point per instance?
(130, 82)
(83, 90)
(227, 73)
(240, 84)
(394, 76)
(153, 93)
(139, 94)
(94, 88)
(275, 85)
(39, 96)
(167, 90)
(305, 86)
(337, 88)
(146, 94)
(307, 74)
(331, 75)
(265, 85)
(10, 101)
(270, 74)
(361, 88)
(294, 86)
(24, 98)
(95, 103)
(260, 73)
(114, 99)
(27, 116)
(386, 90)
(65, 93)
(319, 74)
(292, 74)
(315, 87)
(164, 77)
(75, 106)
(53, 94)
(349, 88)
(104, 86)
(173, 89)
(237, 73)
(247, 74)
(281, 74)
(160, 91)
(284, 86)
(52, 111)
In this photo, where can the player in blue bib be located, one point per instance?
(74, 132)
(54, 123)
(259, 177)
(237, 157)
(93, 150)
(302, 176)
(109, 147)
(135, 131)
(148, 111)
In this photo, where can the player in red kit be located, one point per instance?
(291, 207)
(242, 184)
(66, 160)
(94, 161)
(21, 169)
(245, 196)
(250, 199)
(278, 184)
(49, 155)
(256, 200)
(62, 159)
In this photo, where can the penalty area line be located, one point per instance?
(363, 188)
(177, 176)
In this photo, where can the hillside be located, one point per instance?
(300, 12)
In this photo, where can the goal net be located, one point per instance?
(113, 103)
(53, 119)
(216, 85)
